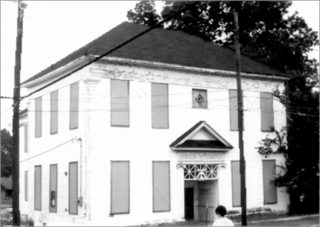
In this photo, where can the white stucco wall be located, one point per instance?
(140, 144)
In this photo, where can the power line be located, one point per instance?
(48, 150)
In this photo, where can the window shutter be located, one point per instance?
(269, 189)
(54, 113)
(159, 105)
(37, 188)
(266, 105)
(199, 98)
(38, 117)
(74, 105)
(233, 97)
(120, 187)
(73, 188)
(236, 187)
(26, 185)
(161, 186)
(26, 138)
(120, 103)
(53, 188)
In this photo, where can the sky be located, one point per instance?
(54, 29)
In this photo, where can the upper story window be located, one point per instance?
(54, 112)
(120, 109)
(38, 117)
(74, 106)
(199, 99)
(26, 138)
(160, 106)
(266, 106)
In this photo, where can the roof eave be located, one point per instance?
(191, 69)
(58, 72)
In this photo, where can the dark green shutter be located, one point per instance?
(266, 105)
(161, 186)
(236, 186)
(37, 188)
(120, 187)
(120, 103)
(269, 189)
(38, 117)
(74, 105)
(54, 113)
(159, 105)
(73, 188)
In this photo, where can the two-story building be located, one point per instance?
(147, 134)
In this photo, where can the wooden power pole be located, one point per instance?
(15, 120)
(240, 122)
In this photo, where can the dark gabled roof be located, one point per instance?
(184, 140)
(184, 135)
(23, 111)
(164, 46)
(203, 144)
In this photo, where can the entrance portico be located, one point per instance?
(201, 151)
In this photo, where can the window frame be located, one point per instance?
(111, 191)
(56, 191)
(205, 98)
(35, 192)
(153, 187)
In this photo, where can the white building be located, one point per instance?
(147, 134)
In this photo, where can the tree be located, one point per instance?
(144, 13)
(265, 33)
(301, 150)
(271, 36)
(6, 150)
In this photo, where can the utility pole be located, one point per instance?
(240, 122)
(15, 120)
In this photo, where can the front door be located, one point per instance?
(188, 201)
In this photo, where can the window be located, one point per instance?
(54, 113)
(38, 117)
(26, 138)
(73, 188)
(199, 98)
(159, 105)
(233, 97)
(120, 103)
(37, 188)
(120, 187)
(269, 189)
(266, 105)
(161, 186)
(236, 187)
(53, 188)
(74, 105)
(26, 185)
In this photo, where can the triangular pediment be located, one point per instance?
(201, 137)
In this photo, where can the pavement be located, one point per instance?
(286, 219)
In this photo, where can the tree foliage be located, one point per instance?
(6, 150)
(301, 149)
(267, 33)
(271, 36)
(144, 13)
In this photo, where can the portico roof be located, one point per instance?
(201, 137)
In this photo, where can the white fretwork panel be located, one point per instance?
(201, 172)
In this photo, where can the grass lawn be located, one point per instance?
(260, 217)
(301, 222)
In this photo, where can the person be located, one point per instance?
(221, 211)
